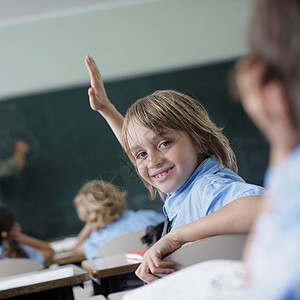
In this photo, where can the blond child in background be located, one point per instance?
(103, 207)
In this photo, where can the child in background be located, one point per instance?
(179, 152)
(14, 243)
(103, 207)
(268, 82)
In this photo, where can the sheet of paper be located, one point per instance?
(61, 255)
(210, 280)
(65, 244)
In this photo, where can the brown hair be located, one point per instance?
(11, 247)
(175, 110)
(275, 42)
(100, 203)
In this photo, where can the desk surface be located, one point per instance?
(63, 248)
(107, 266)
(42, 280)
(66, 257)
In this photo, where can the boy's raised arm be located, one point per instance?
(100, 102)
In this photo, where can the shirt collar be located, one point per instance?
(174, 201)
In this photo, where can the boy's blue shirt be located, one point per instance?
(209, 188)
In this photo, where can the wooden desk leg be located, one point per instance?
(105, 286)
(113, 284)
(65, 293)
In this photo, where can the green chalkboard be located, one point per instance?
(71, 144)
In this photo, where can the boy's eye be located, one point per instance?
(165, 144)
(141, 155)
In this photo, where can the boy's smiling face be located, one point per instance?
(164, 161)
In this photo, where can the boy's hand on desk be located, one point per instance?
(153, 265)
(97, 94)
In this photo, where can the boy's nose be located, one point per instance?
(155, 159)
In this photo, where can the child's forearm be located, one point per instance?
(21, 150)
(84, 233)
(114, 119)
(33, 242)
(236, 217)
(82, 236)
(37, 244)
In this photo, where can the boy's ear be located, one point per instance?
(201, 150)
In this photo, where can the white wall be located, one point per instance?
(146, 37)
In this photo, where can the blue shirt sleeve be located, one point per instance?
(222, 192)
(34, 254)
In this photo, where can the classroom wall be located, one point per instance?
(136, 38)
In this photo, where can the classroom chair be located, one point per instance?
(124, 243)
(14, 266)
(225, 246)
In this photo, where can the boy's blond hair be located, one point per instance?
(100, 203)
(171, 109)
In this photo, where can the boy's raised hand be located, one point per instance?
(97, 94)
(100, 102)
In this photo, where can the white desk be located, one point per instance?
(108, 272)
(107, 266)
(44, 284)
(66, 257)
